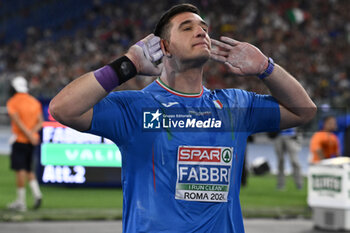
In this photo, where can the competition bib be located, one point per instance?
(203, 173)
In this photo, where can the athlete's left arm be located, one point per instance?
(242, 58)
(296, 107)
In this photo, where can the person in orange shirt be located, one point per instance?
(26, 120)
(324, 144)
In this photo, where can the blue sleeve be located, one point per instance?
(114, 118)
(263, 113)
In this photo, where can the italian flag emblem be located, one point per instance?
(218, 104)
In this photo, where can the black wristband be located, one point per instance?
(124, 68)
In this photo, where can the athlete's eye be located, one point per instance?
(187, 28)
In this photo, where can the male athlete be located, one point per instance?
(182, 145)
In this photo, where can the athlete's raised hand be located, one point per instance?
(241, 58)
(144, 55)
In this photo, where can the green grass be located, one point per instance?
(259, 199)
(60, 202)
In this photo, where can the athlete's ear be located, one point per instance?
(164, 45)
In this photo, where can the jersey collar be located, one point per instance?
(178, 93)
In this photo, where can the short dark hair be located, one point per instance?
(162, 26)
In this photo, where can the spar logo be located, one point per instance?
(203, 173)
(205, 154)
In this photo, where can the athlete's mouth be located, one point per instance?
(201, 44)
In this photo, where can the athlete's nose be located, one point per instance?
(200, 32)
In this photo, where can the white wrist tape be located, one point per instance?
(151, 48)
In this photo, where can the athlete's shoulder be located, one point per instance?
(232, 94)
(240, 93)
(126, 94)
(243, 98)
(135, 93)
(130, 97)
(154, 88)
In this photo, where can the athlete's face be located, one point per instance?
(189, 39)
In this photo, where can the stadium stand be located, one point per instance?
(51, 42)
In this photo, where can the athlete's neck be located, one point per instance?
(188, 81)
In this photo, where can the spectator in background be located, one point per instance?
(26, 119)
(324, 144)
(311, 38)
(287, 142)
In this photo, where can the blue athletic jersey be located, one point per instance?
(182, 154)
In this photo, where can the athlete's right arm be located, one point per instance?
(73, 105)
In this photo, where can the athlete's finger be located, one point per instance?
(219, 52)
(153, 41)
(154, 48)
(148, 38)
(229, 41)
(150, 45)
(146, 41)
(218, 58)
(157, 55)
(220, 44)
(144, 47)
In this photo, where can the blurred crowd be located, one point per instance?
(309, 38)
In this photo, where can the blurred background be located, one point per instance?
(52, 42)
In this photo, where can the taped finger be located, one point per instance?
(144, 49)
(157, 55)
(149, 37)
(153, 41)
(154, 48)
